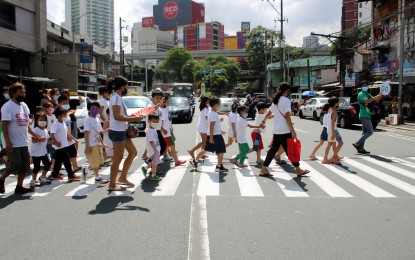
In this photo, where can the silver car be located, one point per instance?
(226, 104)
(135, 103)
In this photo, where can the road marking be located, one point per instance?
(301, 131)
(401, 161)
(403, 137)
(168, 186)
(359, 182)
(45, 189)
(412, 158)
(209, 179)
(248, 184)
(382, 176)
(136, 178)
(391, 167)
(325, 184)
(90, 185)
(11, 186)
(284, 180)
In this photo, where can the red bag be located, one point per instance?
(294, 150)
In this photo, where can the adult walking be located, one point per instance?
(15, 121)
(118, 133)
(283, 128)
(365, 99)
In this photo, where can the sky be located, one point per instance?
(304, 16)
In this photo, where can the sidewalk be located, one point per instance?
(408, 125)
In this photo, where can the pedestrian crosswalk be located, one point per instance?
(361, 176)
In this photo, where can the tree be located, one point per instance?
(172, 66)
(353, 36)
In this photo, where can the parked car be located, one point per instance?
(313, 108)
(135, 103)
(81, 113)
(181, 109)
(226, 104)
(348, 113)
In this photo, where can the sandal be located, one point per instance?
(303, 173)
(127, 183)
(280, 162)
(260, 162)
(117, 188)
(326, 162)
(313, 157)
(266, 174)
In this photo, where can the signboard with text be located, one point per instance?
(86, 53)
(148, 21)
(245, 26)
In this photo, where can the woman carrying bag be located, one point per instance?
(283, 128)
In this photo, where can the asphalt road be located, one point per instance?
(363, 209)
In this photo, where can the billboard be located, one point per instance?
(147, 21)
(86, 53)
(171, 13)
(245, 26)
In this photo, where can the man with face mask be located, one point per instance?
(364, 99)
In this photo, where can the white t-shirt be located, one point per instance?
(166, 120)
(116, 125)
(68, 126)
(258, 121)
(104, 103)
(51, 120)
(325, 120)
(280, 125)
(61, 134)
(18, 117)
(214, 117)
(151, 136)
(93, 126)
(158, 112)
(232, 118)
(39, 149)
(202, 125)
(241, 125)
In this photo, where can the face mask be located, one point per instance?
(19, 98)
(65, 118)
(51, 110)
(244, 115)
(154, 125)
(66, 107)
(124, 92)
(7, 96)
(42, 123)
(94, 112)
(365, 88)
(56, 97)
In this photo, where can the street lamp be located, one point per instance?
(73, 30)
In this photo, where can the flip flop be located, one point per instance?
(117, 188)
(267, 174)
(129, 184)
(280, 162)
(303, 173)
(313, 158)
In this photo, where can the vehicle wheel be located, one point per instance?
(301, 114)
(342, 122)
(315, 116)
(374, 124)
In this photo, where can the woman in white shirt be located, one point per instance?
(118, 133)
(283, 128)
(202, 126)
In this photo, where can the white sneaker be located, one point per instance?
(32, 184)
(44, 180)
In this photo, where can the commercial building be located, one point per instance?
(365, 12)
(351, 11)
(94, 18)
(311, 41)
(201, 36)
(171, 13)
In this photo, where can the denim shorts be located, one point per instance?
(338, 137)
(324, 135)
(117, 137)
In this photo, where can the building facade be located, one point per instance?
(93, 18)
(365, 12)
(201, 36)
(311, 41)
(351, 12)
(171, 13)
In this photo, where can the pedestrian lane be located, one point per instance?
(358, 177)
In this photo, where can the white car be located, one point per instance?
(226, 104)
(135, 103)
(313, 107)
(81, 113)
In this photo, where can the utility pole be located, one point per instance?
(121, 53)
(282, 44)
(266, 90)
(342, 61)
(288, 67)
(401, 59)
(308, 75)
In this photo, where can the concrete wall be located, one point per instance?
(61, 67)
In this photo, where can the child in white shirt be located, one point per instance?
(232, 118)
(153, 148)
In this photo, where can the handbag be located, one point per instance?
(294, 150)
(132, 129)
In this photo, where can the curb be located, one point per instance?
(410, 127)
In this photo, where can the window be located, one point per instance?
(360, 14)
(360, 5)
(355, 14)
(360, 23)
(7, 16)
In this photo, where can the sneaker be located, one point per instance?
(100, 180)
(194, 163)
(22, 190)
(2, 188)
(168, 159)
(44, 180)
(74, 177)
(144, 170)
(363, 151)
(59, 177)
(34, 183)
(180, 162)
(155, 178)
(84, 172)
(221, 168)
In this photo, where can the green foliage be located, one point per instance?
(172, 66)
(353, 36)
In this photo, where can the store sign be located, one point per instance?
(385, 89)
(409, 68)
(385, 68)
(170, 10)
(245, 26)
(147, 21)
(86, 53)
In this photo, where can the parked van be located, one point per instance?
(296, 97)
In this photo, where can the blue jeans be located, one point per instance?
(367, 128)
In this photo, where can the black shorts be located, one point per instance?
(19, 160)
(72, 152)
(218, 145)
